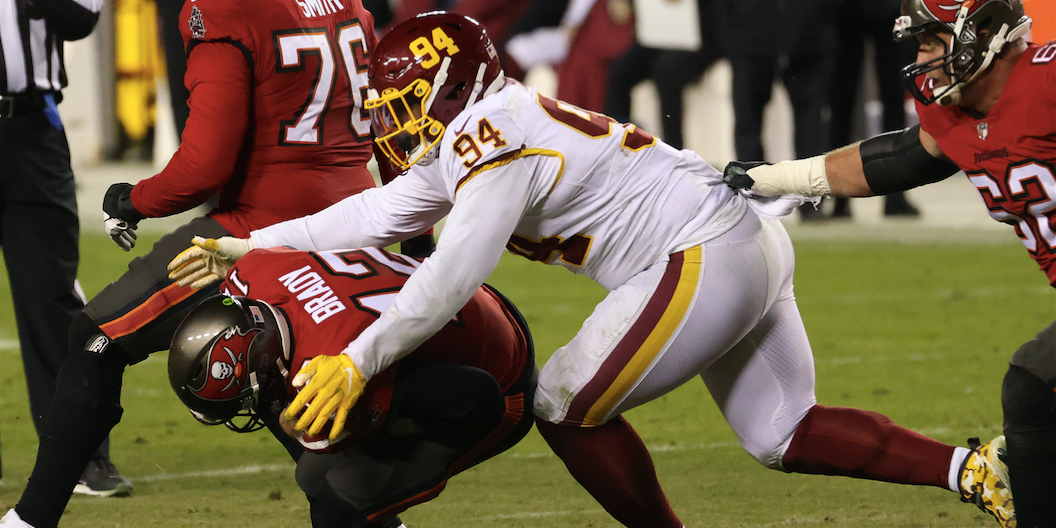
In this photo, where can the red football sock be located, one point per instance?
(863, 444)
(612, 463)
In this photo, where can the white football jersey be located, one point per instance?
(609, 198)
(541, 178)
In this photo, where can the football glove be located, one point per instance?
(123, 234)
(330, 385)
(803, 177)
(736, 174)
(207, 261)
(120, 217)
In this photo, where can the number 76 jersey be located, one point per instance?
(309, 139)
(1010, 153)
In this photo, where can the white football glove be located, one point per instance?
(123, 234)
(207, 261)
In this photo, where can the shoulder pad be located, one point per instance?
(480, 136)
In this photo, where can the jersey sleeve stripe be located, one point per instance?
(509, 157)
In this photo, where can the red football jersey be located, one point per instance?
(330, 297)
(1010, 153)
(309, 139)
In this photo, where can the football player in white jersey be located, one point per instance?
(699, 276)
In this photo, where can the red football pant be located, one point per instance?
(613, 464)
(864, 444)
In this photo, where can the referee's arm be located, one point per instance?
(68, 19)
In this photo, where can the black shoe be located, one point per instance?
(101, 479)
(897, 205)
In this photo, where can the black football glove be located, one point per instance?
(120, 218)
(736, 174)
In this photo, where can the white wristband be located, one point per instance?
(805, 177)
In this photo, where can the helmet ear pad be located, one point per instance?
(229, 358)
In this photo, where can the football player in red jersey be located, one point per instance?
(454, 402)
(987, 104)
(277, 129)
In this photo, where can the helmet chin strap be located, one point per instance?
(284, 337)
(429, 157)
(478, 87)
(952, 94)
(438, 81)
(497, 84)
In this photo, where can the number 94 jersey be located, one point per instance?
(1010, 153)
(607, 199)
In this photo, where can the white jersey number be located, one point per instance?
(1045, 54)
(1032, 182)
(291, 49)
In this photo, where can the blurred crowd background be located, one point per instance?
(730, 79)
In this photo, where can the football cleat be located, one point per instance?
(983, 481)
(101, 479)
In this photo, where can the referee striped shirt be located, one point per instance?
(31, 37)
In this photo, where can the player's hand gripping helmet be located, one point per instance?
(980, 29)
(422, 74)
(228, 359)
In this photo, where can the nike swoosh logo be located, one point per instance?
(348, 379)
(459, 131)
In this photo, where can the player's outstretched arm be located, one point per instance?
(406, 207)
(207, 261)
(891, 162)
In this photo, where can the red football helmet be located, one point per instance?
(422, 74)
(980, 29)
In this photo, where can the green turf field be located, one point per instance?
(921, 333)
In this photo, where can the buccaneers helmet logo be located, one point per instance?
(227, 364)
(945, 11)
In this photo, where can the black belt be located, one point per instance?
(14, 105)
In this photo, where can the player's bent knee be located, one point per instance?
(91, 382)
(328, 510)
(1026, 400)
(91, 376)
(81, 332)
(547, 406)
(770, 454)
(768, 441)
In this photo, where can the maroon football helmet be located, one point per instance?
(980, 29)
(228, 359)
(423, 73)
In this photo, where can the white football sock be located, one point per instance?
(959, 454)
(12, 520)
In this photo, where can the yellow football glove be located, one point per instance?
(329, 385)
(207, 261)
